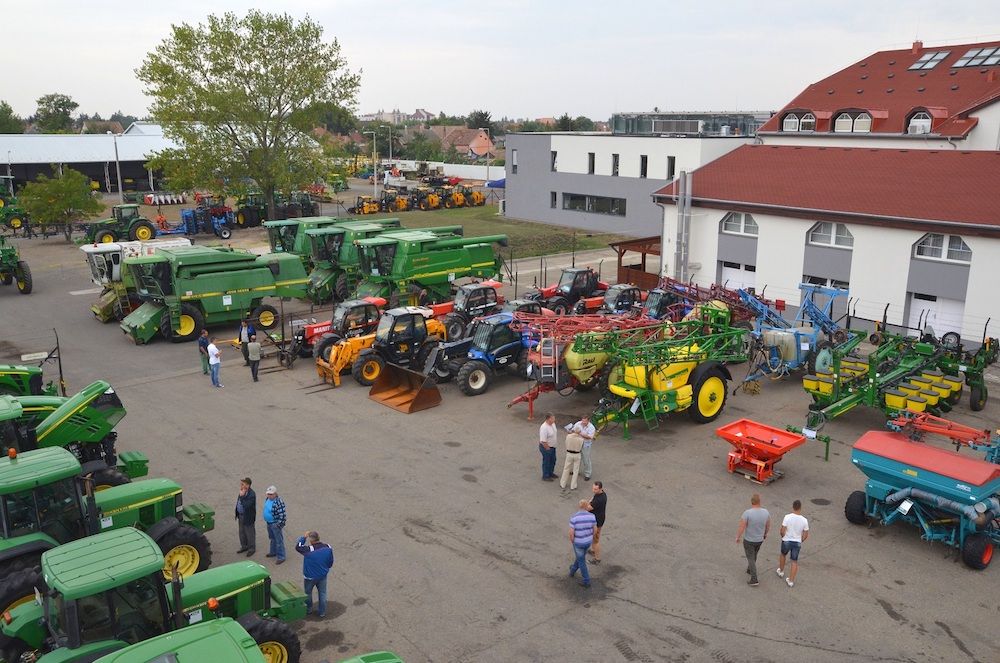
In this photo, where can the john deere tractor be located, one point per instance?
(125, 223)
(49, 504)
(13, 269)
(102, 593)
(12, 215)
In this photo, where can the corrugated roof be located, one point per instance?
(884, 85)
(134, 145)
(919, 185)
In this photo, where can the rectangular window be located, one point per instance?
(844, 236)
(643, 165)
(553, 154)
(958, 249)
(552, 199)
(750, 268)
(614, 165)
(590, 163)
(575, 202)
(671, 162)
(931, 246)
(579, 202)
(730, 265)
(513, 162)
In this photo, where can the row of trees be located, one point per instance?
(53, 115)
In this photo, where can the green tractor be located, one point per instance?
(49, 504)
(222, 640)
(13, 269)
(84, 424)
(185, 289)
(18, 380)
(98, 595)
(12, 215)
(126, 223)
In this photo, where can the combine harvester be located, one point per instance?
(950, 497)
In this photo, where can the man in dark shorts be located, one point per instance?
(794, 532)
(598, 505)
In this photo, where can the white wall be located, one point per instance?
(981, 301)
(465, 171)
(879, 270)
(986, 135)
(689, 153)
(781, 245)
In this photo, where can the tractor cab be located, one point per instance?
(621, 298)
(377, 255)
(659, 302)
(41, 496)
(105, 261)
(401, 332)
(152, 277)
(355, 317)
(281, 235)
(576, 283)
(125, 213)
(325, 244)
(493, 336)
(522, 306)
(476, 299)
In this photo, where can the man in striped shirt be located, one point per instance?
(581, 535)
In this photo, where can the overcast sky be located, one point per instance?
(514, 58)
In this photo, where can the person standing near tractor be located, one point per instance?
(598, 506)
(246, 517)
(214, 361)
(547, 439)
(203, 350)
(586, 430)
(317, 560)
(274, 516)
(581, 535)
(246, 331)
(794, 532)
(253, 353)
(755, 523)
(571, 466)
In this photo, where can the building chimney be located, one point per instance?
(991, 76)
(917, 47)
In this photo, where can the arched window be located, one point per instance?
(920, 123)
(791, 122)
(831, 234)
(844, 123)
(862, 123)
(739, 223)
(808, 122)
(942, 247)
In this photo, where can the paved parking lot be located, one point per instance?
(450, 548)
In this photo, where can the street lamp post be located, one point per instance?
(490, 140)
(389, 127)
(374, 167)
(118, 167)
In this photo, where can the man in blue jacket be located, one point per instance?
(317, 560)
(246, 331)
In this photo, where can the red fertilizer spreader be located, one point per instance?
(757, 448)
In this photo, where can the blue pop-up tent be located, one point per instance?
(497, 184)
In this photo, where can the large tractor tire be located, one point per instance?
(522, 364)
(19, 588)
(474, 378)
(709, 396)
(977, 551)
(109, 477)
(23, 277)
(367, 368)
(190, 325)
(15, 223)
(188, 548)
(559, 305)
(454, 326)
(321, 350)
(142, 231)
(277, 641)
(265, 316)
(104, 237)
(854, 508)
(977, 397)
(341, 288)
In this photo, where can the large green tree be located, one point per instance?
(423, 146)
(63, 199)
(480, 119)
(337, 119)
(9, 122)
(239, 95)
(54, 114)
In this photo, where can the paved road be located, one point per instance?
(450, 548)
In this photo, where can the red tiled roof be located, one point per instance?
(919, 185)
(883, 85)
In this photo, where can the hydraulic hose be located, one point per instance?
(979, 513)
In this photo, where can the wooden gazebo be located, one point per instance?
(638, 273)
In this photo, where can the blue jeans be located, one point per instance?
(214, 369)
(581, 561)
(320, 585)
(276, 533)
(548, 460)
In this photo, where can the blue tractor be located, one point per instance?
(490, 349)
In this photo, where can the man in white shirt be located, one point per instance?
(794, 532)
(586, 430)
(214, 361)
(547, 439)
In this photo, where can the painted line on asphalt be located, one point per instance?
(89, 291)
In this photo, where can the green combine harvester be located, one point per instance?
(289, 235)
(422, 265)
(188, 288)
(102, 593)
(49, 504)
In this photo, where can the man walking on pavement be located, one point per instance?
(755, 523)
(246, 517)
(317, 560)
(246, 331)
(274, 516)
(571, 466)
(214, 361)
(586, 430)
(598, 505)
(581, 535)
(794, 532)
(253, 353)
(203, 350)
(547, 440)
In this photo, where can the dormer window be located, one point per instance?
(920, 123)
(808, 122)
(863, 123)
(844, 123)
(790, 123)
(853, 122)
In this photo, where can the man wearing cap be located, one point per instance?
(317, 560)
(246, 517)
(274, 516)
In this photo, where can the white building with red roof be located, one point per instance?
(884, 178)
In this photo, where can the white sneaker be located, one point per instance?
(789, 582)
(781, 574)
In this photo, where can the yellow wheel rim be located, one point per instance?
(143, 233)
(185, 557)
(107, 239)
(241, 218)
(370, 370)
(15, 223)
(711, 396)
(2, 203)
(273, 652)
(266, 319)
(21, 284)
(186, 326)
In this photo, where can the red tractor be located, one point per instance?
(620, 299)
(575, 283)
(352, 317)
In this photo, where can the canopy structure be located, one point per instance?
(497, 184)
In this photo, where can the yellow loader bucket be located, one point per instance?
(405, 390)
